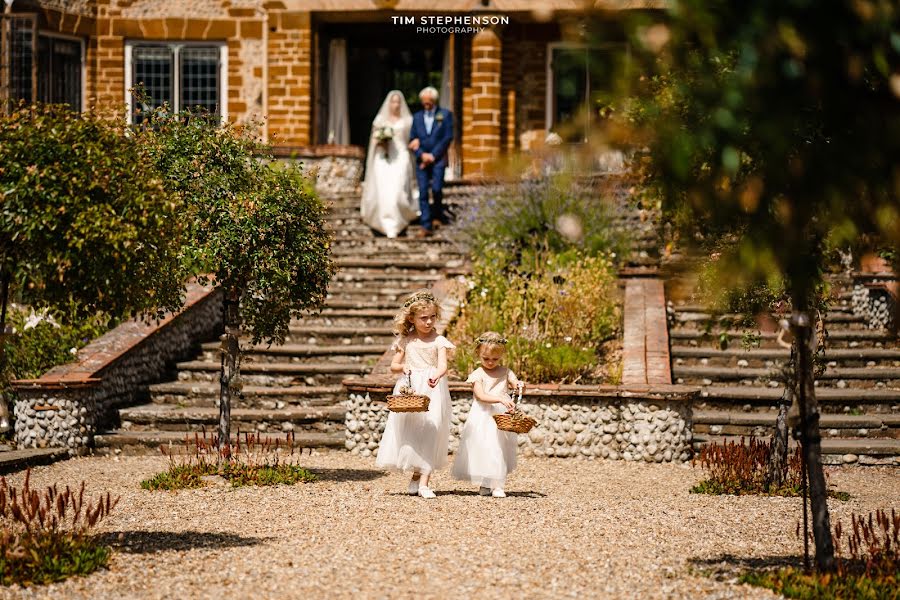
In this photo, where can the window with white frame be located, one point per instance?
(579, 86)
(184, 76)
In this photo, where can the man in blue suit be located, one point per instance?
(430, 137)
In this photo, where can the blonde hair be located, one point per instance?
(490, 340)
(403, 322)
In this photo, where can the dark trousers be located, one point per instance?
(431, 177)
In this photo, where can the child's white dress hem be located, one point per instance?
(419, 440)
(486, 455)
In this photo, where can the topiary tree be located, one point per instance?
(85, 226)
(777, 123)
(254, 231)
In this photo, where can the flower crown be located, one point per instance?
(490, 340)
(418, 296)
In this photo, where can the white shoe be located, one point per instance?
(498, 493)
(484, 491)
(425, 492)
(413, 487)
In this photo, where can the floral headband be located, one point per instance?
(417, 297)
(483, 340)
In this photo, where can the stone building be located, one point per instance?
(314, 72)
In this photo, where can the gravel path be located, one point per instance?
(569, 529)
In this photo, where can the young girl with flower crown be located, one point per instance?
(417, 441)
(486, 454)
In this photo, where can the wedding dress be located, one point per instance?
(389, 197)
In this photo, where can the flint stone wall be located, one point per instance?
(614, 426)
(338, 170)
(69, 403)
(872, 300)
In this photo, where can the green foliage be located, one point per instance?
(46, 535)
(555, 312)
(554, 214)
(796, 583)
(258, 232)
(33, 350)
(255, 462)
(777, 123)
(86, 225)
(869, 571)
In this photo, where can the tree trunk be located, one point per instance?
(4, 300)
(810, 438)
(230, 365)
(779, 456)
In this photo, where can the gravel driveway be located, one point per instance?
(570, 528)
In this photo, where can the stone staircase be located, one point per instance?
(296, 387)
(858, 394)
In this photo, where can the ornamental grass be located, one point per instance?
(46, 535)
(867, 564)
(252, 460)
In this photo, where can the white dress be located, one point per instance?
(419, 440)
(389, 198)
(486, 454)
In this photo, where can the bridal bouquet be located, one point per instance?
(383, 136)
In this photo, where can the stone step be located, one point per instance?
(184, 393)
(722, 422)
(19, 460)
(839, 354)
(358, 312)
(300, 353)
(149, 442)
(309, 333)
(276, 373)
(866, 451)
(879, 400)
(167, 417)
(380, 277)
(396, 266)
(690, 373)
(849, 335)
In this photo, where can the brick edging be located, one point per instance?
(106, 350)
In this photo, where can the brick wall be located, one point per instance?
(482, 106)
(290, 78)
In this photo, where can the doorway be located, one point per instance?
(381, 58)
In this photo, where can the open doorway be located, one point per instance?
(380, 58)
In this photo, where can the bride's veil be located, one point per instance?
(382, 116)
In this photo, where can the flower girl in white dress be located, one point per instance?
(486, 454)
(418, 441)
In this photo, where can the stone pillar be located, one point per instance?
(61, 416)
(481, 106)
(290, 78)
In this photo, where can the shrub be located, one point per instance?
(45, 535)
(255, 462)
(742, 468)
(555, 314)
(869, 570)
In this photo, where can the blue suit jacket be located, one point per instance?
(441, 134)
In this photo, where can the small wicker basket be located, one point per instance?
(515, 421)
(407, 400)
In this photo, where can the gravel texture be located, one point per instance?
(570, 528)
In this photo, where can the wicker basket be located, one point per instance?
(517, 422)
(407, 400)
(408, 403)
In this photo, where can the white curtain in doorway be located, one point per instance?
(338, 109)
(447, 85)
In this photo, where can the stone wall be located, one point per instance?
(290, 78)
(614, 425)
(338, 169)
(873, 300)
(69, 403)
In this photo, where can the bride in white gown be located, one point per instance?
(389, 198)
